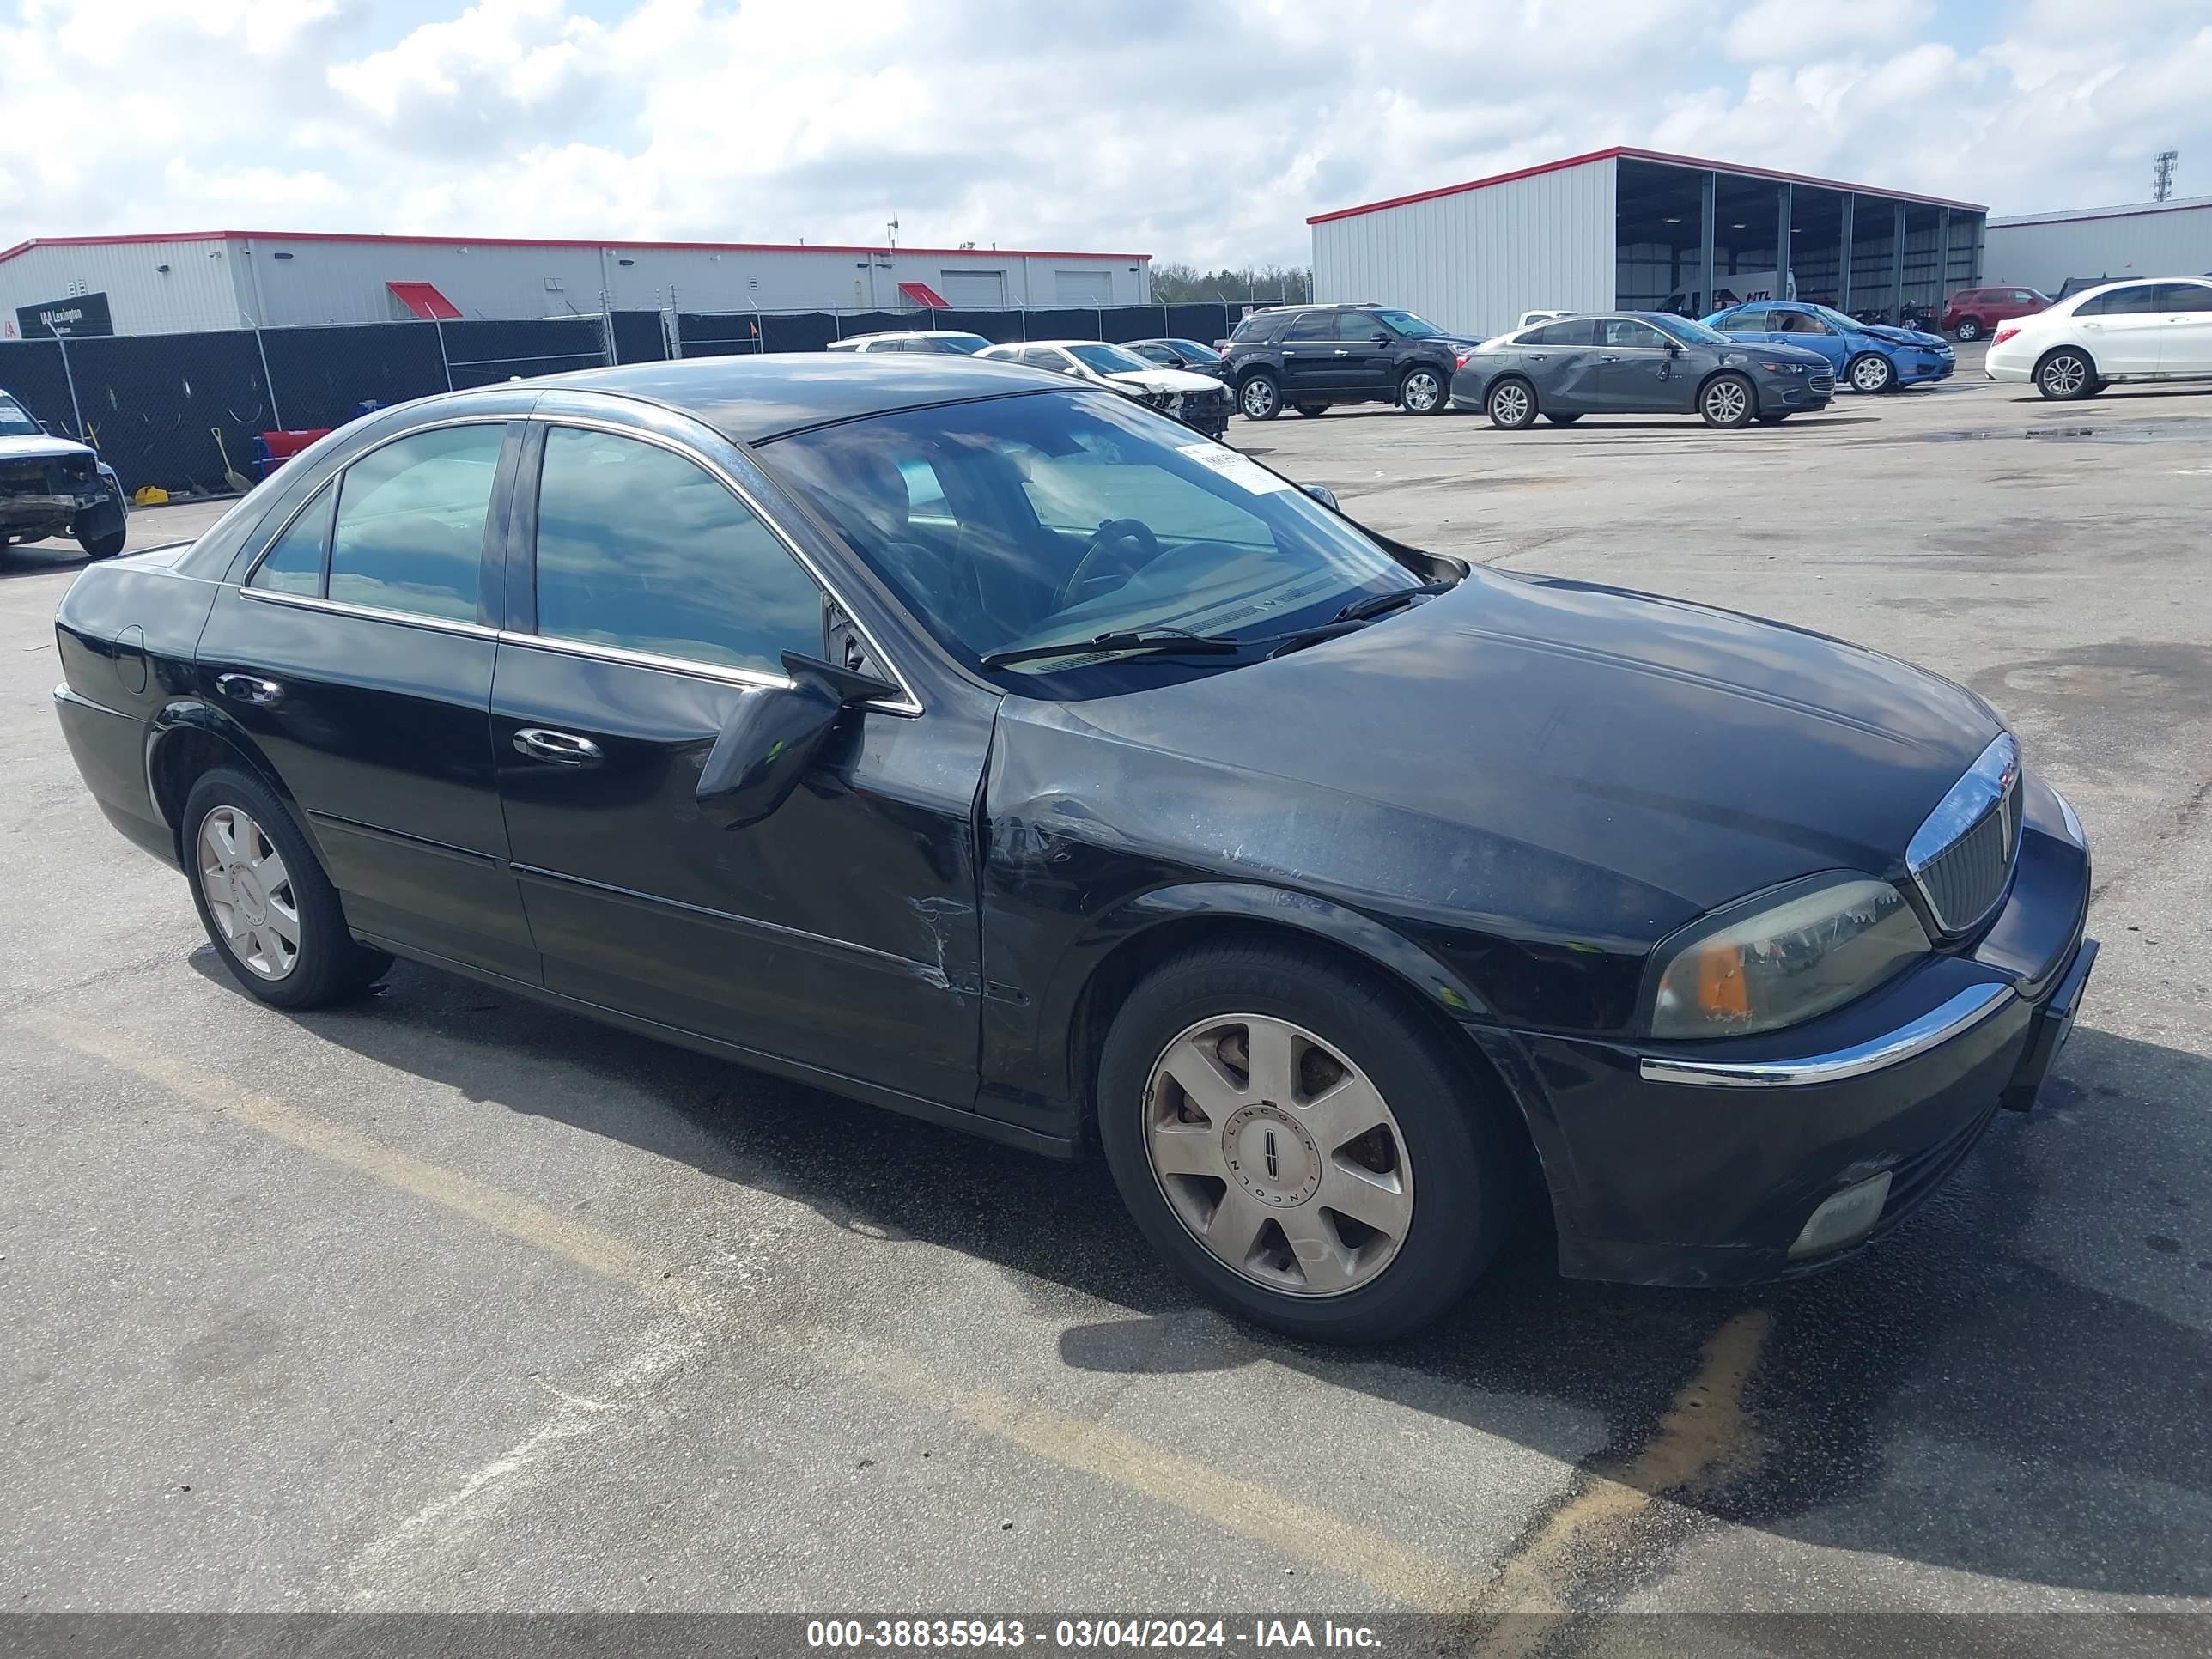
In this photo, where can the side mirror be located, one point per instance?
(1674, 347)
(774, 736)
(1379, 337)
(1323, 493)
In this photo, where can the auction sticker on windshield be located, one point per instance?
(1238, 469)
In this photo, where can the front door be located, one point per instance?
(358, 652)
(1637, 371)
(839, 932)
(2123, 329)
(2185, 343)
(1801, 328)
(1369, 355)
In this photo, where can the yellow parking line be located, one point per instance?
(1245, 1509)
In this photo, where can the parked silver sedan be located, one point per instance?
(1637, 362)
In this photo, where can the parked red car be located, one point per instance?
(1973, 312)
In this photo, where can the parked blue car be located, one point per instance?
(1867, 356)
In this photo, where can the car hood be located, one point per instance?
(1789, 354)
(1166, 379)
(1529, 748)
(41, 446)
(1902, 336)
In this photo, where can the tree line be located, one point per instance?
(1175, 283)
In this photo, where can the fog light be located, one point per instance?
(1850, 1214)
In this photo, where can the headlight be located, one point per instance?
(1783, 368)
(1798, 952)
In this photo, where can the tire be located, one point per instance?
(1969, 329)
(1259, 398)
(1727, 401)
(1511, 403)
(1423, 390)
(1309, 410)
(2067, 374)
(1439, 1133)
(1871, 373)
(1564, 420)
(103, 547)
(231, 815)
(1777, 418)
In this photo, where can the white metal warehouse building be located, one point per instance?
(2148, 239)
(225, 279)
(1627, 229)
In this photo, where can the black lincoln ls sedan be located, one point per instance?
(996, 749)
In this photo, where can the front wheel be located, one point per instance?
(269, 909)
(1512, 404)
(1259, 399)
(103, 547)
(1968, 329)
(1299, 1145)
(1727, 401)
(1870, 371)
(1421, 391)
(2066, 375)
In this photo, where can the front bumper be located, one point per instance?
(1702, 1164)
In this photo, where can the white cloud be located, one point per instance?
(1206, 132)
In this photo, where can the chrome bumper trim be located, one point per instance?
(1938, 1026)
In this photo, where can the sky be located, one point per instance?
(1203, 130)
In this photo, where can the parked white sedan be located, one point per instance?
(1199, 401)
(2117, 332)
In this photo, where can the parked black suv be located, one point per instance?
(1312, 356)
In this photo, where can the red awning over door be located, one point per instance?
(921, 294)
(424, 300)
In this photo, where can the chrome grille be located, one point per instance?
(1962, 856)
(1821, 382)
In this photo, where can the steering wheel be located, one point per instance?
(1112, 538)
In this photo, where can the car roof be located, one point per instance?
(753, 398)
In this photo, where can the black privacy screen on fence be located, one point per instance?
(184, 410)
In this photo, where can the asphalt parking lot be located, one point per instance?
(444, 1301)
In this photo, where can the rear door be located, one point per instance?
(2185, 343)
(2123, 329)
(839, 932)
(1562, 360)
(1312, 361)
(358, 653)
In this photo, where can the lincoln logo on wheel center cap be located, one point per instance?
(1270, 1156)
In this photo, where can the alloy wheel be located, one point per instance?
(1422, 390)
(1259, 400)
(249, 892)
(2065, 375)
(1870, 375)
(1509, 404)
(1726, 403)
(1279, 1155)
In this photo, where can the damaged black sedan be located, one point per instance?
(997, 750)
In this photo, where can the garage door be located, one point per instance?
(1083, 288)
(973, 289)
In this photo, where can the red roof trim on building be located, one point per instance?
(979, 253)
(923, 294)
(1620, 152)
(425, 301)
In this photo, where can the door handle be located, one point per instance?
(1339, 352)
(249, 688)
(1608, 359)
(559, 747)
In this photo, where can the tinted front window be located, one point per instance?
(1201, 539)
(1407, 324)
(15, 422)
(1837, 321)
(1109, 359)
(959, 345)
(1191, 351)
(1157, 354)
(2120, 302)
(2184, 296)
(1623, 332)
(294, 563)
(410, 523)
(639, 547)
(1687, 331)
(1799, 322)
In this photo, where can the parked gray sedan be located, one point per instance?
(1638, 362)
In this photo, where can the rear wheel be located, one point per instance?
(1302, 1148)
(1310, 410)
(269, 909)
(1421, 391)
(1870, 371)
(1512, 404)
(1259, 398)
(2067, 374)
(1968, 329)
(1728, 400)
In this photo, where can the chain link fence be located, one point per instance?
(192, 412)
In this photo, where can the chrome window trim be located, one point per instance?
(333, 481)
(1986, 782)
(912, 704)
(616, 654)
(372, 613)
(1958, 1013)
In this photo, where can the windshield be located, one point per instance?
(1837, 318)
(1685, 329)
(14, 422)
(1407, 324)
(1193, 351)
(1109, 359)
(1011, 523)
(965, 345)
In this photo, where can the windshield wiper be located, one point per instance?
(1376, 604)
(1179, 642)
